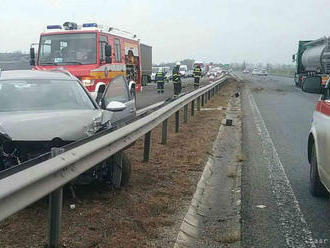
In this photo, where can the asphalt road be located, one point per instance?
(149, 94)
(277, 208)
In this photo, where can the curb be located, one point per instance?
(213, 218)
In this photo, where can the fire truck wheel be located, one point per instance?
(316, 187)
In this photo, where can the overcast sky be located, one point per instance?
(219, 30)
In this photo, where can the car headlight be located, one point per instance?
(87, 82)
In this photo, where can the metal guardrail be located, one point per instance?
(46, 178)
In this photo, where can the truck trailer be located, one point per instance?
(146, 63)
(312, 60)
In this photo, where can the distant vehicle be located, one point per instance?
(153, 73)
(93, 53)
(312, 60)
(183, 70)
(41, 109)
(190, 73)
(246, 71)
(259, 72)
(319, 139)
(168, 73)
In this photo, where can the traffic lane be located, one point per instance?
(287, 112)
(260, 226)
(149, 94)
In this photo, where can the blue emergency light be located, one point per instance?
(89, 25)
(54, 27)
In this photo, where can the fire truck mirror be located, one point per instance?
(32, 56)
(293, 58)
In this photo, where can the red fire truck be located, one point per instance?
(93, 53)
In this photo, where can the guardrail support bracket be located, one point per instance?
(164, 133)
(55, 210)
(199, 103)
(177, 121)
(147, 141)
(185, 113)
(192, 107)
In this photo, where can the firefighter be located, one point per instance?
(160, 80)
(197, 75)
(176, 80)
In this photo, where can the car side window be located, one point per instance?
(117, 91)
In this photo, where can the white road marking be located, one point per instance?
(295, 228)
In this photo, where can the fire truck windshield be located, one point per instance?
(68, 49)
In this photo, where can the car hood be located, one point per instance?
(68, 125)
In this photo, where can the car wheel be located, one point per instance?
(316, 186)
(120, 170)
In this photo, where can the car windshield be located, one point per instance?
(68, 49)
(33, 95)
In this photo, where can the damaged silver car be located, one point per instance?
(42, 109)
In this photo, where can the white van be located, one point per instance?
(183, 70)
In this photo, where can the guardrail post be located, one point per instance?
(164, 133)
(193, 108)
(147, 141)
(209, 95)
(206, 95)
(185, 113)
(55, 210)
(199, 103)
(177, 121)
(203, 100)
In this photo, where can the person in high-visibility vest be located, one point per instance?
(197, 75)
(176, 79)
(160, 80)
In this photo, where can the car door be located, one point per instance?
(322, 127)
(117, 90)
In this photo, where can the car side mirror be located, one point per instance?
(32, 57)
(293, 58)
(115, 106)
(312, 85)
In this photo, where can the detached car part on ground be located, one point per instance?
(41, 109)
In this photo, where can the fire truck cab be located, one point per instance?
(95, 54)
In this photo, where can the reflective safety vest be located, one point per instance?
(197, 72)
(176, 74)
(160, 77)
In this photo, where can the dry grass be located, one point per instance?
(130, 217)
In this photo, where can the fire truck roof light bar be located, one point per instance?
(54, 27)
(90, 25)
